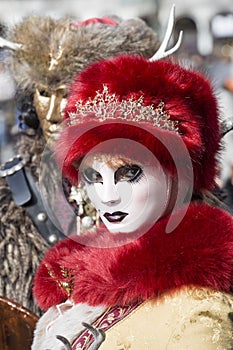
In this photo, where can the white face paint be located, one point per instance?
(129, 197)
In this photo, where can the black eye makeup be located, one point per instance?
(129, 173)
(91, 176)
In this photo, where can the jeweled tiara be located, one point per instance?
(105, 106)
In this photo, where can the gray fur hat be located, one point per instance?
(51, 51)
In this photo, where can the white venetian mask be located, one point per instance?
(127, 197)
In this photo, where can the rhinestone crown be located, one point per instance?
(105, 106)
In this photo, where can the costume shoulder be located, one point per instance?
(198, 252)
(55, 273)
(189, 318)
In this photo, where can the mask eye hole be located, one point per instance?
(91, 176)
(44, 93)
(129, 173)
(63, 93)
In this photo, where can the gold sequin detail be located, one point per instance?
(67, 282)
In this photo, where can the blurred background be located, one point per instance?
(207, 45)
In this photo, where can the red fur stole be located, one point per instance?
(198, 252)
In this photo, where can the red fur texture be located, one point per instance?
(198, 252)
(188, 99)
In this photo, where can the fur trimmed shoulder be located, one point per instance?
(198, 252)
(49, 277)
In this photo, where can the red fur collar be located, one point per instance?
(198, 252)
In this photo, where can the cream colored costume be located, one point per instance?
(190, 318)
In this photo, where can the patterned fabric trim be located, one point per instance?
(107, 320)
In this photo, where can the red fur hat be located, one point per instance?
(158, 104)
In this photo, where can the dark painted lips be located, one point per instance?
(117, 216)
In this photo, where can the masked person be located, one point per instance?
(143, 136)
(45, 55)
